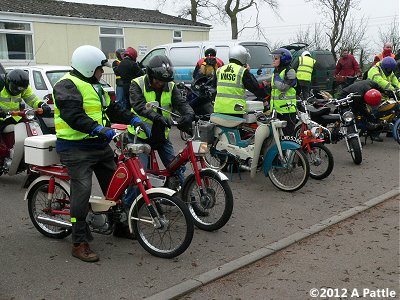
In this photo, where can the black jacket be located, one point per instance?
(128, 70)
(361, 87)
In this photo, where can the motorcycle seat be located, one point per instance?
(9, 128)
(226, 120)
(330, 118)
(317, 112)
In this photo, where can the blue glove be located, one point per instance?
(105, 133)
(136, 121)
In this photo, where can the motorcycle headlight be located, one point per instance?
(30, 114)
(348, 116)
(199, 147)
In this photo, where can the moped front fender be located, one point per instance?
(271, 153)
(156, 190)
(61, 182)
(220, 175)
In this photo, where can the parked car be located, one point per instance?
(322, 77)
(42, 78)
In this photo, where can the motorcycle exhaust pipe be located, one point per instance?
(54, 222)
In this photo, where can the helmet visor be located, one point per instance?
(105, 63)
(163, 73)
(15, 89)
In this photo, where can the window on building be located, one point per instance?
(15, 41)
(111, 39)
(177, 36)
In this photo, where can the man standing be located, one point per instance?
(387, 51)
(304, 73)
(119, 88)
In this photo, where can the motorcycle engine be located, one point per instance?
(98, 222)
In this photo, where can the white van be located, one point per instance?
(185, 55)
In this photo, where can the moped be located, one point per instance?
(262, 146)
(160, 220)
(206, 191)
(12, 140)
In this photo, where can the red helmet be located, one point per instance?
(372, 97)
(131, 52)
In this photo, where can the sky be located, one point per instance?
(294, 14)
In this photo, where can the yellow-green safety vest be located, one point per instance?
(150, 96)
(118, 76)
(9, 102)
(306, 65)
(94, 104)
(386, 82)
(230, 89)
(279, 98)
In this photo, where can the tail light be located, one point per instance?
(48, 98)
(112, 96)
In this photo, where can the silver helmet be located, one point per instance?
(86, 59)
(240, 54)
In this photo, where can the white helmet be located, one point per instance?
(86, 59)
(240, 54)
(306, 53)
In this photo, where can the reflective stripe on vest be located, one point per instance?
(230, 89)
(306, 65)
(279, 98)
(118, 76)
(10, 103)
(150, 96)
(94, 106)
(377, 75)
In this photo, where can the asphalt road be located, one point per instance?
(36, 267)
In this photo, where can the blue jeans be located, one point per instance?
(81, 164)
(167, 154)
(120, 98)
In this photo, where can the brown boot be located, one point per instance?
(83, 252)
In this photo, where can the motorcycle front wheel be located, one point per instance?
(38, 205)
(291, 172)
(355, 150)
(320, 159)
(396, 130)
(212, 209)
(171, 233)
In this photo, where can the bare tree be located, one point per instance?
(390, 34)
(314, 36)
(336, 13)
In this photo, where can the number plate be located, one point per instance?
(291, 139)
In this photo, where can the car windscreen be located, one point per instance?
(54, 76)
(324, 61)
(260, 56)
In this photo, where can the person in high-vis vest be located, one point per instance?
(383, 74)
(233, 80)
(83, 112)
(15, 93)
(119, 87)
(304, 73)
(157, 85)
(283, 93)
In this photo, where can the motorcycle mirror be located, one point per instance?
(151, 105)
(238, 107)
(180, 85)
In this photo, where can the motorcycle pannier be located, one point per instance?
(206, 132)
(41, 150)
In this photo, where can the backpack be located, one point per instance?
(209, 66)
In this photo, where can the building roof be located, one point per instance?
(92, 11)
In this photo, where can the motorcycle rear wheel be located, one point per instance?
(214, 158)
(176, 232)
(38, 206)
(212, 210)
(292, 173)
(355, 150)
(396, 130)
(321, 161)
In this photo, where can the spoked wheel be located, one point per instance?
(214, 158)
(171, 233)
(320, 159)
(355, 150)
(212, 209)
(290, 173)
(396, 130)
(38, 206)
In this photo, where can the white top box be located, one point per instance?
(254, 105)
(41, 150)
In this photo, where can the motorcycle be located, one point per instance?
(388, 116)
(341, 124)
(256, 142)
(12, 140)
(311, 134)
(161, 221)
(206, 191)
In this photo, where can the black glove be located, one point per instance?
(46, 109)
(163, 120)
(3, 114)
(105, 133)
(185, 123)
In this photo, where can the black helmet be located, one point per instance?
(17, 81)
(210, 51)
(160, 68)
(119, 53)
